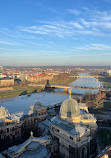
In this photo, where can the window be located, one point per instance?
(13, 129)
(7, 130)
(57, 130)
(71, 151)
(71, 138)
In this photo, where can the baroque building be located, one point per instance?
(20, 124)
(74, 128)
(69, 133)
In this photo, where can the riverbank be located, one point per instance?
(106, 82)
(6, 89)
(23, 90)
(19, 90)
(61, 82)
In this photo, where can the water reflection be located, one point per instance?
(22, 103)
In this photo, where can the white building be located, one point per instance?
(109, 72)
(3, 75)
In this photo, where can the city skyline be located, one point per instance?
(55, 33)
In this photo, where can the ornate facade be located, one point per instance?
(15, 125)
(73, 129)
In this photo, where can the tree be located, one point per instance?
(24, 82)
(94, 100)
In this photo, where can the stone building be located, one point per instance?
(39, 78)
(31, 148)
(6, 82)
(16, 125)
(74, 128)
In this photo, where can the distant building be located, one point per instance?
(39, 78)
(109, 72)
(2, 75)
(16, 75)
(6, 82)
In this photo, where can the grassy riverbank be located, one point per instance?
(106, 82)
(61, 82)
(22, 90)
(18, 90)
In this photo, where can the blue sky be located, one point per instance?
(55, 32)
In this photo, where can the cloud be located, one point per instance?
(9, 43)
(89, 22)
(94, 47)
(52, 10)
(55, 28)
(73, 11)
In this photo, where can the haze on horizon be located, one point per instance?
(46, 32)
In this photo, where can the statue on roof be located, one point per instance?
(70, 93)
(31, 134)
(31, 107)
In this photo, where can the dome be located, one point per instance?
(3, 112)
(69, 110)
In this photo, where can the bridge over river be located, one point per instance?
(87, 77)
(65, 87)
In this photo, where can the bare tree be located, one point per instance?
(94, 100)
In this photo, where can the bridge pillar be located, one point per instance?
(66, 90)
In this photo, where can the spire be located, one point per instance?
(70, 93)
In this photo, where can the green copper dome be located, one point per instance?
(69, 108)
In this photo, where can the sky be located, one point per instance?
(55, 32)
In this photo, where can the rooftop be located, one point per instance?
(31, 148)
(74, 129)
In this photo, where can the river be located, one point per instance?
(84, 82)
(22, 103)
